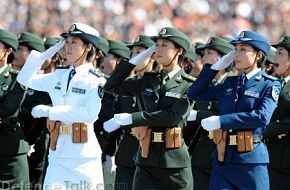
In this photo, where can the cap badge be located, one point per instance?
(137, 39)
(163, 31)
(72, 28)
(242, 34)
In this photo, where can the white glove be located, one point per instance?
(224, 62)
(111, 125)
(211, 123)
(123, 118)
(110, 163)
(52, 50)
(192, 115)
(40, 111)
(142, 56)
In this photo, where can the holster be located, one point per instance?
(54, 133)
(220, 139)
(245, 141)
(145, 144)
(79, 133)
(173, 137)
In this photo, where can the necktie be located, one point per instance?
(283, 82)
(70, 76)
(241, 82)
(164, 77)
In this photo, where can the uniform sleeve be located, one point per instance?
(88, 113)
(276, 128)
(10, 103)
(28, 75)
(259, 117)
(118, 85)
(201, 90)
(166, 117)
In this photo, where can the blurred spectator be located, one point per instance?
(125, 19)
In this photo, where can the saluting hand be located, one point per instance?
(192, 115)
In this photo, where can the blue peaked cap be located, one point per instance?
(254, 39)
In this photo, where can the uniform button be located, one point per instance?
(101, 132)
(277, 120)
(156, 101)
(208, 107)
(230, 130)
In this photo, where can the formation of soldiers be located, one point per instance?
(166, 113)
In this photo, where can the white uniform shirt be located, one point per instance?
(80, 103)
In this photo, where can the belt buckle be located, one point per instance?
(157, 137)
(232, 139)
(65, 130)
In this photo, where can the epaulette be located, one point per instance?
(188, 77)
(13, 71)
(270, 77)
(63, 67)
(96, 73)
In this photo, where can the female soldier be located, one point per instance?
(277, 132)
(76, 96)
(246, 104)
(165, 106)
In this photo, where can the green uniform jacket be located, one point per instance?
(129, 144)
(166, 106)
(12, 141)
(33, 127)
(279, 149)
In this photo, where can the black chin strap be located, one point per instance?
(81, 55)
(171, 60)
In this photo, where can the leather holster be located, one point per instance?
(143, 134)
(79, 133)
(220, 139)
(54, 127)
(173, 137)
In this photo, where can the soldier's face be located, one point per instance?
(197, 66)
(73, 50)
(210, 56)
(2, 53)
(21, 56)
(136, 50)
(165, 52)
(282, 62)
(245, 57)
(109, 64)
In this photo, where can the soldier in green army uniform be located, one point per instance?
(128, 145)
(117, 51)
(269, 64)
(13, 156)
(189, 60)
(165, 107)
(277, 132)
(37, 134)
(202, 146)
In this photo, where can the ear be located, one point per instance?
(260, 55)
(180, 51)
(89, 47)
(9, 50)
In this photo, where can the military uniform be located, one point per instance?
(75, 99)
(201, 150)
(13, 158)
(277, 135)
(247, 107)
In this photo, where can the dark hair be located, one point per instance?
(91, 54)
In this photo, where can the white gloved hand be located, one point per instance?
(192, 115)
(111, 125)
(52, 50)
(224, 62)
(40, 111)
(110, 163)
(211, 123)
(142, 56)
(123, 118)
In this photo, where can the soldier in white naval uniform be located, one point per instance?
(75, 99)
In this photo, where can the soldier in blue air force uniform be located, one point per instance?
(246, 104)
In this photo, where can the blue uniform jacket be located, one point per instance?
(252, 110)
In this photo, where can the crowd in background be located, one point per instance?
(125, 19)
